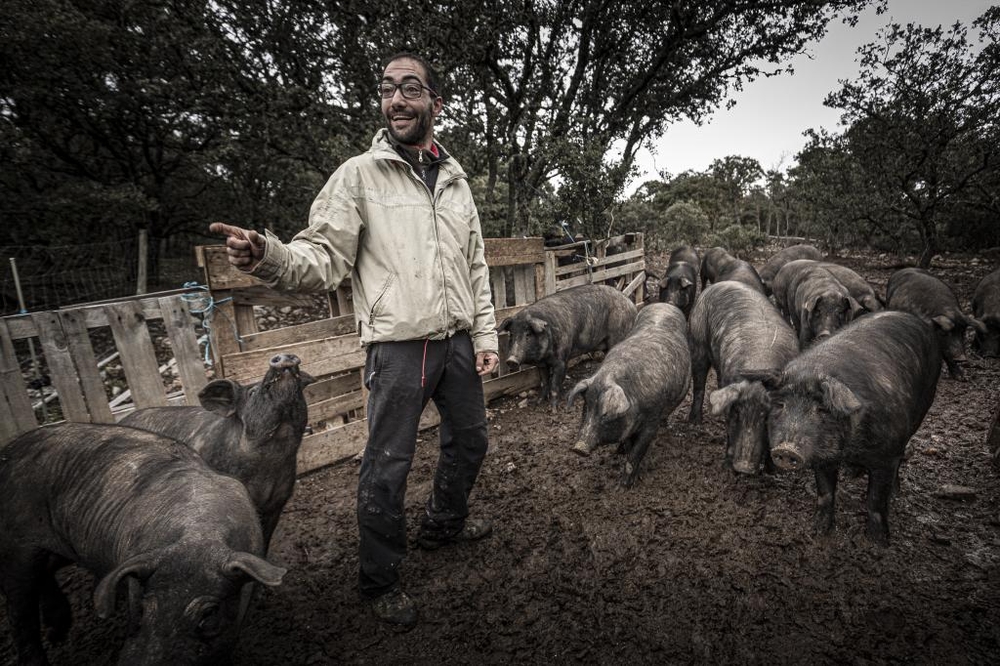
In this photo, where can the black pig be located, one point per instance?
(741, 271)
(855, 399)
(250, 432)
(127, 504)
(553, 329)
(858, 287)
(916, 291)
(641, 380)
(679, 285)
(713, 262)
(733, 328)
(818, 304)
(986, 308)
(782, 257)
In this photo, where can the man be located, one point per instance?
(400, 220)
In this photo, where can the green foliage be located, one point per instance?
(920, 145)
(738, 240)
(685, 224)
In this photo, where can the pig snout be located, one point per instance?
(788, 457)
(513, 363)
(284, 361)
(583, 447)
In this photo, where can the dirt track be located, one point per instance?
(692, 565)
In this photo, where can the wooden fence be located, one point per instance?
(521, 271)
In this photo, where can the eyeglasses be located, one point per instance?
(410, 89)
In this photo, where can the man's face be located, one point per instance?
(410, 121)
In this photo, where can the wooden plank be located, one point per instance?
(498, 285)
(219, 273)
(336, 406)
(332, 446)
(633, 286)
(539, 281)
(512, 251)
(264, 295)
(223, 335)
(246, 321)
(345, 299)
(550, 273)
(82, 353)
(62, 370)
(16, 414)
(331, 387)
(22, 327)
(319, 357)
(599, 263)
(506, 313)
(128, 325)
(523, 289)
(322, 328)
(179, 323)
(512, 383)
(601, 276)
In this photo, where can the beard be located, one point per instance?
(417, 131)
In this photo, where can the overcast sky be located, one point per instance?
(771, 114)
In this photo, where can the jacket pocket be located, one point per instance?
(379, 304)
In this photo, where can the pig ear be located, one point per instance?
(505, 324)
(220, 396)
(838, 397)
(943, 323)
(871, 303)
(257, 568)
(854, 307)
(580, 387)
(141, 567)
(614, 402)
(769, 377)
(810, 305)
(686, 283)
(537, 325)
(305, 379)
(977, 324)
(722, 399)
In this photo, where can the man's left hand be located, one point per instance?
(487, 362)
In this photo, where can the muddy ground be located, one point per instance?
(693, 565)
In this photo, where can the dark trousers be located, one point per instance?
(401, 378)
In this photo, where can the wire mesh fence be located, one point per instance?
(59, 275)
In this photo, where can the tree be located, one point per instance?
(735, 175)
(571, 90)
(921, 120)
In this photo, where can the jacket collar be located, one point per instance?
(382, 148)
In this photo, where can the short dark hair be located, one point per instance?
(432, 77)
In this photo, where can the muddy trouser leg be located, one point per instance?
(459, 398)
(396, 398)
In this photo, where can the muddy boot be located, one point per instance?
(396, 608)
(473, 530)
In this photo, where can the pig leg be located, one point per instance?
(636, 451)
(22, 583)
(955, 370)
(544, 370)
(557, 373)
(56, 611)
(826, 496)
(699, 374)
(880, 483)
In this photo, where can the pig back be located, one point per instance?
(916, 291)
(586, 317)
(738, 329)
(653, 363)
(891, 361)
(782, 257)
(109, 492)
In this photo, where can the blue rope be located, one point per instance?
(207, 308)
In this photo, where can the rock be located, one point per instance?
(953, 492)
